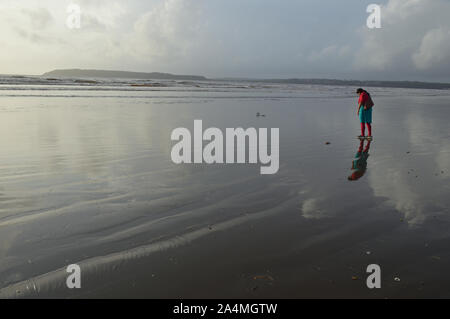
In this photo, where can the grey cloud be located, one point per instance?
(40, 18)
(434, 51)
(168, 31)
(92, 23)
(36, 37)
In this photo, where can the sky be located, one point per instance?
(231, 38)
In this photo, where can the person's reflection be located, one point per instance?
(359, 164)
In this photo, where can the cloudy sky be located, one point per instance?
(231, 38)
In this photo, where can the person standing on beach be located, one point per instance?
(365, 105)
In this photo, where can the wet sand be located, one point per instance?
(89, 180)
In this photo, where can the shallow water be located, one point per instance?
(86, 177)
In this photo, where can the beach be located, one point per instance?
(87, 178)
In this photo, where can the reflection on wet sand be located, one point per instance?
(411, 168)
(359, 164)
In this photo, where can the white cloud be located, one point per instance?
(434, 50)
(168, 31)
(113, 35)
(414, 35)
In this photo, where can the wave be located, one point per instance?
(27, 86)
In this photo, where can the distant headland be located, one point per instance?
(80, 73)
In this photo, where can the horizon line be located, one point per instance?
(236, 78)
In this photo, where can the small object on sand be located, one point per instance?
(408, 152)
(436, 257)
(327, 143)
(368, 252)
(354, 278)
(264, 277)
(397, 279)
